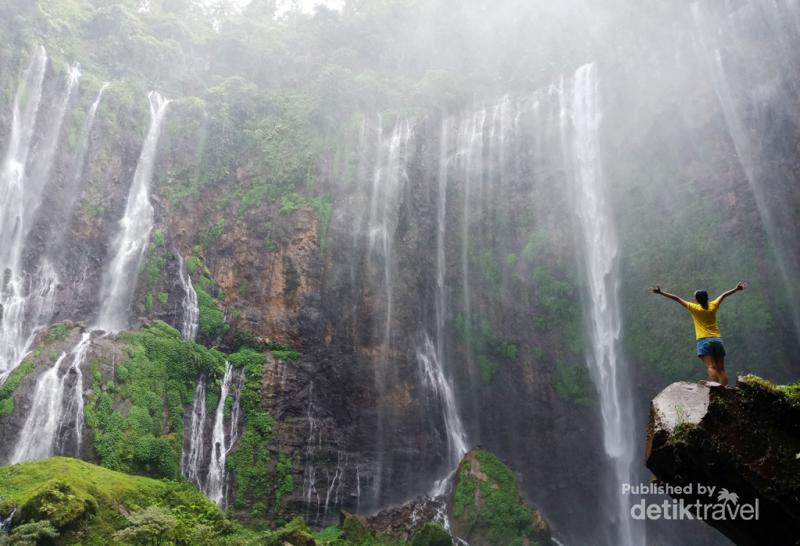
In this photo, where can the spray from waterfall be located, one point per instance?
(221, 440)
(193, 457)
(131, 241)
(389, 176)
(191, 311)
(27, 299)
(50, 416)
(14, 337)
(432, 357)
(755, 99)
(580, 119)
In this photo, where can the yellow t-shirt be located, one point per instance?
(705, 320)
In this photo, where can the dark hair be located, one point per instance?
(702, 298)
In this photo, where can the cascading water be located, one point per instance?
(41, 163)
(50, 415)
(580, 119)
(191, 311)
(72, 187)
(432, 357)
(14, 337)
(193, 457)
(388, 178)
(470, 164)
(134, 233)
(221, 440)
(753, 68)
(71, 423)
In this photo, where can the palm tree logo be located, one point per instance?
(726, 496)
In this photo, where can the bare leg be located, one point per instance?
(711, 368)
(719, 365)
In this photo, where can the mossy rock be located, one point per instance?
(354, 528)
(486, 508)
(60, 504)
(88, 503)
(432, 534)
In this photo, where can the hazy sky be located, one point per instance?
(308, 5)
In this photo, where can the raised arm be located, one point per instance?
(739, 286)
(657, 290)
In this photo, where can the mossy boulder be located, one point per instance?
(486, 508)
(743, 442)
(59, 503)
(354, 528)
(87, 504)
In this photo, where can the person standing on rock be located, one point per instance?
(709, 340)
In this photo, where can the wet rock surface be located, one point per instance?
(743, 442)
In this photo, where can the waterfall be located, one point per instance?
(438, 385)
(191, 311)
(72, 418)
(580, 113)
(79, 161)
(50, 416)
(312, 443)
(193, 458)
(7, 523)
(756, 99)
(41, 163)
(27, 300)
(72, 188)
(14, 337)
(432, 358)
(389, 177)
(222, 442)
(134, 232)
(470, 158)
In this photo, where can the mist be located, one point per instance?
(305, 257)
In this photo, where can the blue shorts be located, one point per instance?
(710, 346)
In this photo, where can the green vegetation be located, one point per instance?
(432, 534)
(154, 271)
(85, 503)
(58, 331)
(153, 384)
(284, 483)
(12, 382)
(250, 464)
(479, 338)
(211, 319)
(286, 354)
(572, 383)
(32, 533)
(487, 507)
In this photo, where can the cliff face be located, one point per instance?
(412, 262)
(741, 446)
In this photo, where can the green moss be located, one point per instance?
(682, 433)
(250, 464)
(286, 354)
(86, 502)
(58, 331)
(487, 503)
(211, 320)
(491, 351)
(12, 382)
(137, 417)
(572, 383)
(284, 484)
(192, 263)
(432, 534)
